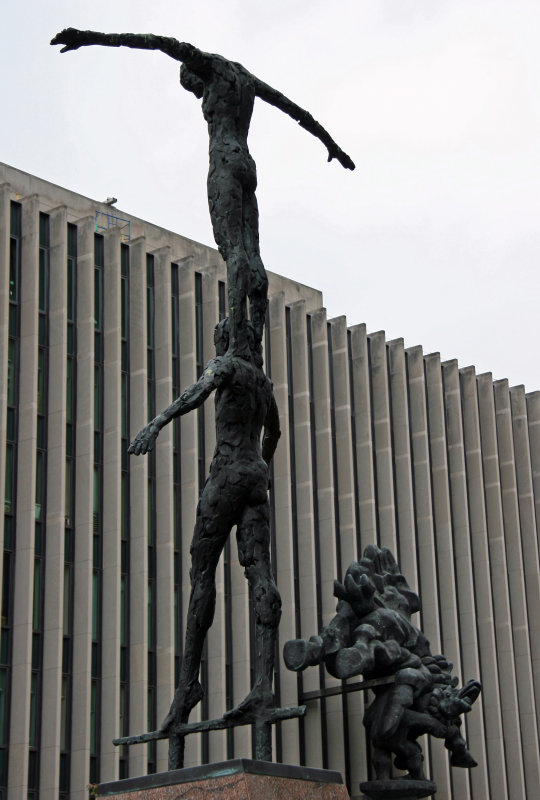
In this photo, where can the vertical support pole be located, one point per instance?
(263, 741)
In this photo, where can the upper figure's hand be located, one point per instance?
(144, 441)
(345, 160)
(70, 37)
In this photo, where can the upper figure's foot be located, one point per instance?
(254, 706)
(299, 654)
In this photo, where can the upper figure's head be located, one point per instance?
(191, 82)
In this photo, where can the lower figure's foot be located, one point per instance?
(182, 704)
(258, 703)
(299, 654)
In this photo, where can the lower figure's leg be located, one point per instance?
(205, 551)
(253, 547)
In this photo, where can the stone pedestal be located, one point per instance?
(239, 779)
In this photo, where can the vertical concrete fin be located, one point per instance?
(495, 762)
(527, 522)
(26, 498)
(55, 521)
(518, 599)
(112, 489)
(138, 480)
(382, 436)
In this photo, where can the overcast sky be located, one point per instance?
(435, 237)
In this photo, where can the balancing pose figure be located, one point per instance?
(228, 94)
(236, 493)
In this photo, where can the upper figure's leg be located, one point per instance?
(225, 198)
(258, 280)
(253, 536)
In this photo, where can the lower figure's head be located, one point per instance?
(221, 337)
(191, 82)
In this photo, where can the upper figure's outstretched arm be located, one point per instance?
(196, 60)
(304, 119)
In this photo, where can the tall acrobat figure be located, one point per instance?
(228, 94)
(236, 491)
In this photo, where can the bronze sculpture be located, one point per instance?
(372, 635)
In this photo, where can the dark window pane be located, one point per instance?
(33, 731)
(66, 615)
(15, 219)
(3, 706)
(72, 240)
(6, 589)
(123, 664)
(42, 330)
(93, 719)
(9, 526)
(64, 772)
(11, 424)
(43, 230)
(70, 339)
(11, 373)
(37, 595)
(41, 432)
(13, 271)
(40, 494)
(9, 496)
(41, 381)
(43, 280)
(95, 660)
(68, 546)
(66, 655)
(4, 646)
(95, 606)
(98, 310)
(12, 320)
(69, 440)
(69, 390)
(70, 289)
(38, 540)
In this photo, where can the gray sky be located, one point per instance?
(435, 237)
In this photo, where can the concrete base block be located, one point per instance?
(239, 779)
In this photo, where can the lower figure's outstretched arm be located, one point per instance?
(72, 39)
(304, 119)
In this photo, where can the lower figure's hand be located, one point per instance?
(144, 441)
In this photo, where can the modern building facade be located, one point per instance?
(104, 318)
